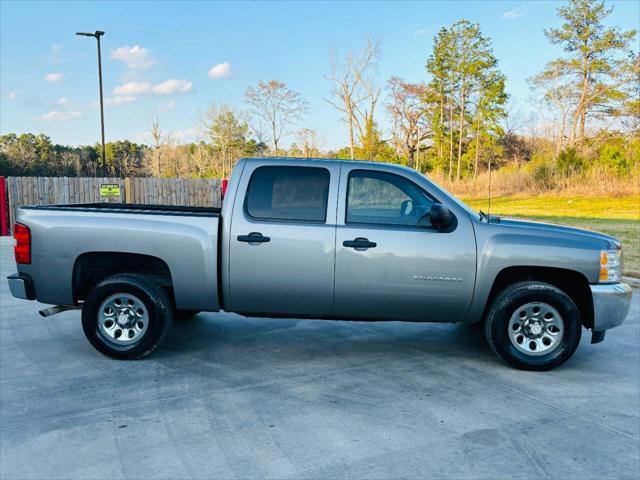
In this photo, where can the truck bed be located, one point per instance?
(184, 239)
(131, 208)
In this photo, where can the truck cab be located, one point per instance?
(345, 240)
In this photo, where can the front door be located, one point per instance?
(282, 244)
(389, 268)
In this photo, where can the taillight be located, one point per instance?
(225, 183)
(22, 250)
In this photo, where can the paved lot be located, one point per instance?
(230, 397)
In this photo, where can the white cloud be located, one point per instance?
(165, 107)
(61, 101)
(167, 87)
(119, 100)
(53, 77)
(114, 101)
(56, 52)
(220, 70)
(132, 88)
(12, 95)
(421, 32)
(515, 13)
(188, 135)
(172, 86)
(136, 57)
(58, 116)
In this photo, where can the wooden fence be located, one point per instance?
(150, 191)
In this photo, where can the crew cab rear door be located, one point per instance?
(282, 242)
(387, 267)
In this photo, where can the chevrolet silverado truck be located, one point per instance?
(327, 239)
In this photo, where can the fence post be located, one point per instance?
(127, 190)
(3, 207)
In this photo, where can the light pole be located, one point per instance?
(97, 36)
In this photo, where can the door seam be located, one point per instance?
(335, 241)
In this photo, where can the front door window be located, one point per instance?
(380, 198)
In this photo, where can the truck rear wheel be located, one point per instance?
(533, 326)
(126, 316)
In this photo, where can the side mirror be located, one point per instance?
(441, 217)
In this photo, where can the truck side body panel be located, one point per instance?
(292, 273)
(413, 273)
(187, 244)
(512, 243)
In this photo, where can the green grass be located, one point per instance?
(617, 216)
(627, 207)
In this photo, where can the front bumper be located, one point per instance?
(21, 286)
(611, 305)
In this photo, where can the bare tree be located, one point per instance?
(158, 140)
(354, 88)
(558, 95)
(309, 140)
(278, 106)
(202, 160)
(409, 116)
(261, 136)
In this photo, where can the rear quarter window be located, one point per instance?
(298, 194)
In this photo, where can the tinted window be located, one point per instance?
(385, 199)
(288, 193)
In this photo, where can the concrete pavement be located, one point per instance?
(231, 397)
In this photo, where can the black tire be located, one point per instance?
(512, 298)
(155, 300)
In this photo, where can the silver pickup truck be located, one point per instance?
(326, 239)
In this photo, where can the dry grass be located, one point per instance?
(514, 181)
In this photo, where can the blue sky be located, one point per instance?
(159, 57)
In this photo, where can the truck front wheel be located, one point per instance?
(126, 316)
(533, 326)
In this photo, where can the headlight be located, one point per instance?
(610, 266)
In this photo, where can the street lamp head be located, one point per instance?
(98, 33)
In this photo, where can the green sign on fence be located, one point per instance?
(109, 190)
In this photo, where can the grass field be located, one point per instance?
(617, 216)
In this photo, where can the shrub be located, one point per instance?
(612, 158)
(543, 176)
(569, 162)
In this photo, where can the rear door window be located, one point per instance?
(297, 194)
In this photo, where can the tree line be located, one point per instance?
(456, 122)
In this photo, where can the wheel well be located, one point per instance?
(570, 282)
(91, 268)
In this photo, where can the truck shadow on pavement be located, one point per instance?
(224, 335)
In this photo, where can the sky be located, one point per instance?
(171, 60)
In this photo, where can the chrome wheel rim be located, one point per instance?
(123, 319)
(536, 328)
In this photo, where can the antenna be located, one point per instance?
(489, 206)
